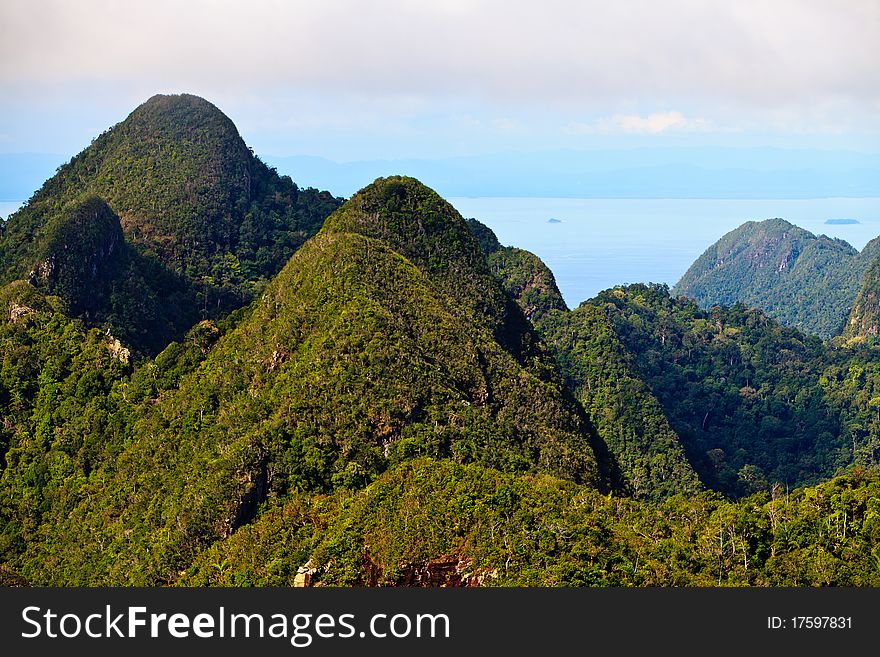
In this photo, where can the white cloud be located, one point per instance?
(748, 52)
(652, 124)
(374, 68)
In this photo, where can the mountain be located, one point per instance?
(752, 402)
(85, 261)
(647, 454)
(389, 396)
(802, 280)
(190, 198)
(423, 522)
(384, 413)
(864, 318)
(605, 378)
(61, 418)
(386, 337)
(523, 275)
(82, 253)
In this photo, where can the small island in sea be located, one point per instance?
(841, 222)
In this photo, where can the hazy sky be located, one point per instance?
(396, 78)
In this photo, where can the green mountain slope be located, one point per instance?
(190, 196)
(401, 400)
(522, 274)
(799, 279)
(864, 318)
(752, 402)
(438, 523)
(83, 252)
(383, 413)
(60, 420)
(648, 456)
(424, 228)
(85, 261)
(729, 393)
(353, 359)
(606, 380)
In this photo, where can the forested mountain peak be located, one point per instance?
(417, 223)
(398, 390)
(365, 351)
(191, 198)
(648, 460)
(182, 113)
(414, 220)
(384, 406)
(523, 275)
(802, 280)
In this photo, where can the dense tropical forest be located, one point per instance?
(209, 376)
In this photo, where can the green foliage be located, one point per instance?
(644, 455)
(60, 416)
(353, 359)
(85, 261)
(438, 518)
(523, 275)
(82, 254)
(741, 390)
(385, 412)
(801, 280)
(484, 235)
(630, 420)
(414, 221)
(864, 319)
(528, 280)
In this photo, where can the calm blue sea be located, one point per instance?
(605, 242)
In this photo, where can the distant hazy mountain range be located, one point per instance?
(634, 173)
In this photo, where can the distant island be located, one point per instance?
(841, 222)
(551, 220)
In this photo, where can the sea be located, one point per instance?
(594, 244)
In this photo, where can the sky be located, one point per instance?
(349, 80)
